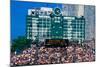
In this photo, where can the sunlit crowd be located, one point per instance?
(56, 55)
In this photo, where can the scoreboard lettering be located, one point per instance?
(55, 41)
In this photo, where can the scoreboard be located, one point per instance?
(57, 25)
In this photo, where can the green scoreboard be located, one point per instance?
(57, 25)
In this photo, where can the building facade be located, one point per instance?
(48, 23)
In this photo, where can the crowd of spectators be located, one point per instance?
(56, 55)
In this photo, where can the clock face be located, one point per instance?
(57, 11)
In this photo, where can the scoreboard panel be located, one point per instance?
(56, 42)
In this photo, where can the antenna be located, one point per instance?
(46, 4)
(57, 6)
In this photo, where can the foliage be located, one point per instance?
(20, 43)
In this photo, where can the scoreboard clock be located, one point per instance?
(57, 11)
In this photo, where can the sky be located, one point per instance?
(19, 10)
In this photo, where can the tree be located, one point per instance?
(20, 44)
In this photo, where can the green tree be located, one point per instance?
(20, 44)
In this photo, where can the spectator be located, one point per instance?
(43, 55)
